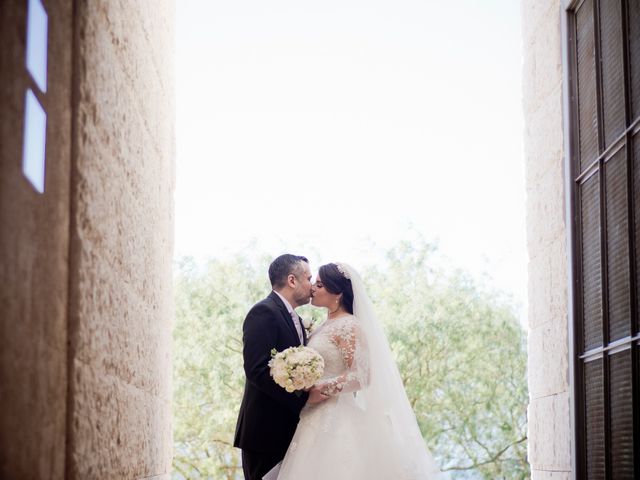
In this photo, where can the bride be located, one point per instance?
(366, 429)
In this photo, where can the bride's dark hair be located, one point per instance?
(335, 282)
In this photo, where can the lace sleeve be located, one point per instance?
(350, 342)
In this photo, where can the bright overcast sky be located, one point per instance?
(326, 128)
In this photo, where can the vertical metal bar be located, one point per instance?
(632, 195)
(605, 317)
(630, 168)
(603, 241)
(633, 287)
(635, 395)
(578, 337)
(602, 189)
(569, 104)
(598, 66)
(624, 14)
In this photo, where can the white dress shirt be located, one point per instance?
(294, 317)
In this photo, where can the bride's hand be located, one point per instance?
(316, 395)
(317, 386)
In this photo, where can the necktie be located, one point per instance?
(296, 322)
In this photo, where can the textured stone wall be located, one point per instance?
(121, 241)
(85, 268)
(34, 245)
(550, 434)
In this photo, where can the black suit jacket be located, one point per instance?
(268, 414)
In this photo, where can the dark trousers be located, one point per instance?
(256, 465)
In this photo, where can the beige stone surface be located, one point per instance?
(121, 332)
(34, 236)
(539, 290)
(545, 209)
(536, 12)
(548, 359)
(559, 305)
(547, 286)
(544, 475)
(542, 68)
(85, 271)
(543, 138)
(550, 433)
(123, 429)
(122, 236)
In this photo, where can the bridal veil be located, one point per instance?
(390, 421)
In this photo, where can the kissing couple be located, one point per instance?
(355, 422)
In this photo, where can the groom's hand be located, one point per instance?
(316, 396)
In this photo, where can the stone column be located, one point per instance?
(121, 241)
(85, 267)
(549, 390)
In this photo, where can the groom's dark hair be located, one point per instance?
(282, 267)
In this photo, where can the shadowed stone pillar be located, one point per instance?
(34, 247)
(85, 267)
(121, 241)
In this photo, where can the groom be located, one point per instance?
(268, 414)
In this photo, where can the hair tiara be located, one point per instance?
(343, 271)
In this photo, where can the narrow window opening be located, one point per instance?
(35, 117)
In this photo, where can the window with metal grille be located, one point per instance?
(604, 71)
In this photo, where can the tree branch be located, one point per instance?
(491, 460)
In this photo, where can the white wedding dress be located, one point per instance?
(366, 430)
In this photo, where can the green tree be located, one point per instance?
(462, 356)
(211, 303)
(459, 348)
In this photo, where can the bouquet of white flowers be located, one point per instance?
(296, 368)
